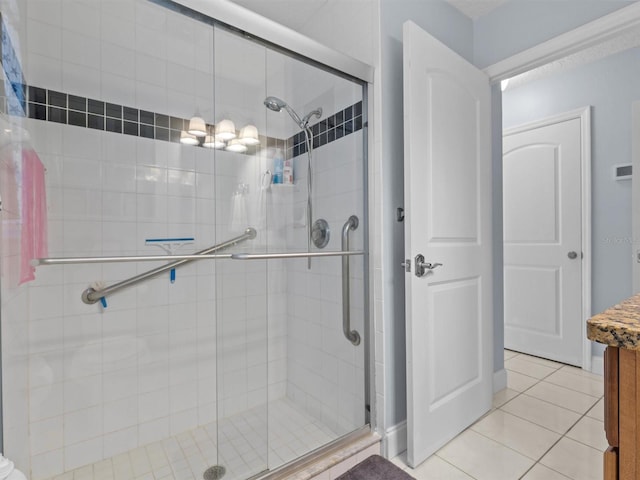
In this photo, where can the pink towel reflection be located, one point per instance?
(33, 238)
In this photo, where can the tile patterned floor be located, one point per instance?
(546, 425)
(243, 448)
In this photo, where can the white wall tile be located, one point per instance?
(120, 414)
(117, 60)
(49, 11)
(151, 70)
(44, 39)
(43, 71)
(80, 80)
(121, 384)
(46, 435)
(151, 41)
(47, 465)
(120, 442)
(46, 402)
(82, 393)
(82, 425)
(117, 28)
(81, 17)
(83, 453)
(80, 49)
(119, 90)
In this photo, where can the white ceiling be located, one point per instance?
(296, 13)
(476, 8)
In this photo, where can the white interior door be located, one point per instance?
(448, 220)
(543, 240)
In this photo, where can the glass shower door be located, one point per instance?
(241, 287)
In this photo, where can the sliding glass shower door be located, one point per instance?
(144, 129)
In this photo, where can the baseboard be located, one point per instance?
(597, 365)
(395, 440)
(499, 380)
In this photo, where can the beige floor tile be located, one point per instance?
(503, 396)
(589, 384)
(535, 370)
(580, 372)
(597, 411)
(435, 468)
(585, 464)
(563, 397)
(514, 432)
(541, 361)
(509, 354)
(483, 458)
(590, 432)
(540, 472)
(542, 413)
(519, 382)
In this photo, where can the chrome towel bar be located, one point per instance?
(268, 256)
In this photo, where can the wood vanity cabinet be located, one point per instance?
(622, 413)
(618, 327)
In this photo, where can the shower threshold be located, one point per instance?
(242, 451)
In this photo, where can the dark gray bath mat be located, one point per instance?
(375, 468)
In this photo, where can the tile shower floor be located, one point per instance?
(546, 425)
(243, 448)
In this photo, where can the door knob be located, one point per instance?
(422, 267)
(572, 255)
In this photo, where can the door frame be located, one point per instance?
(635, 193)
(584, 115)
(623, 21)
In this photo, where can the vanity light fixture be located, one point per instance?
(225, 130)
(211, 142)
(236, 145)
(187, 139)
(249, 135)
(197, 127)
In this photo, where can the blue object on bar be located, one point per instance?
(172, 275)
(103, 301)
(169, 240)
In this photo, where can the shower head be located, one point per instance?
(316, 113)
(276, 104)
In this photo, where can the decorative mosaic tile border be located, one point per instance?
(59, 107)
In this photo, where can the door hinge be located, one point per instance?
(400, 214)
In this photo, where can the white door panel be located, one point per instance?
(448, 220)
(542, 225)
(532, 174)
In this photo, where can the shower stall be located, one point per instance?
(183, 245)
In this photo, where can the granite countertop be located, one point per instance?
(618, 326)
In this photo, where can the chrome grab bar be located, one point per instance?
(268, 256)
(91, 295)
(351, 335)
